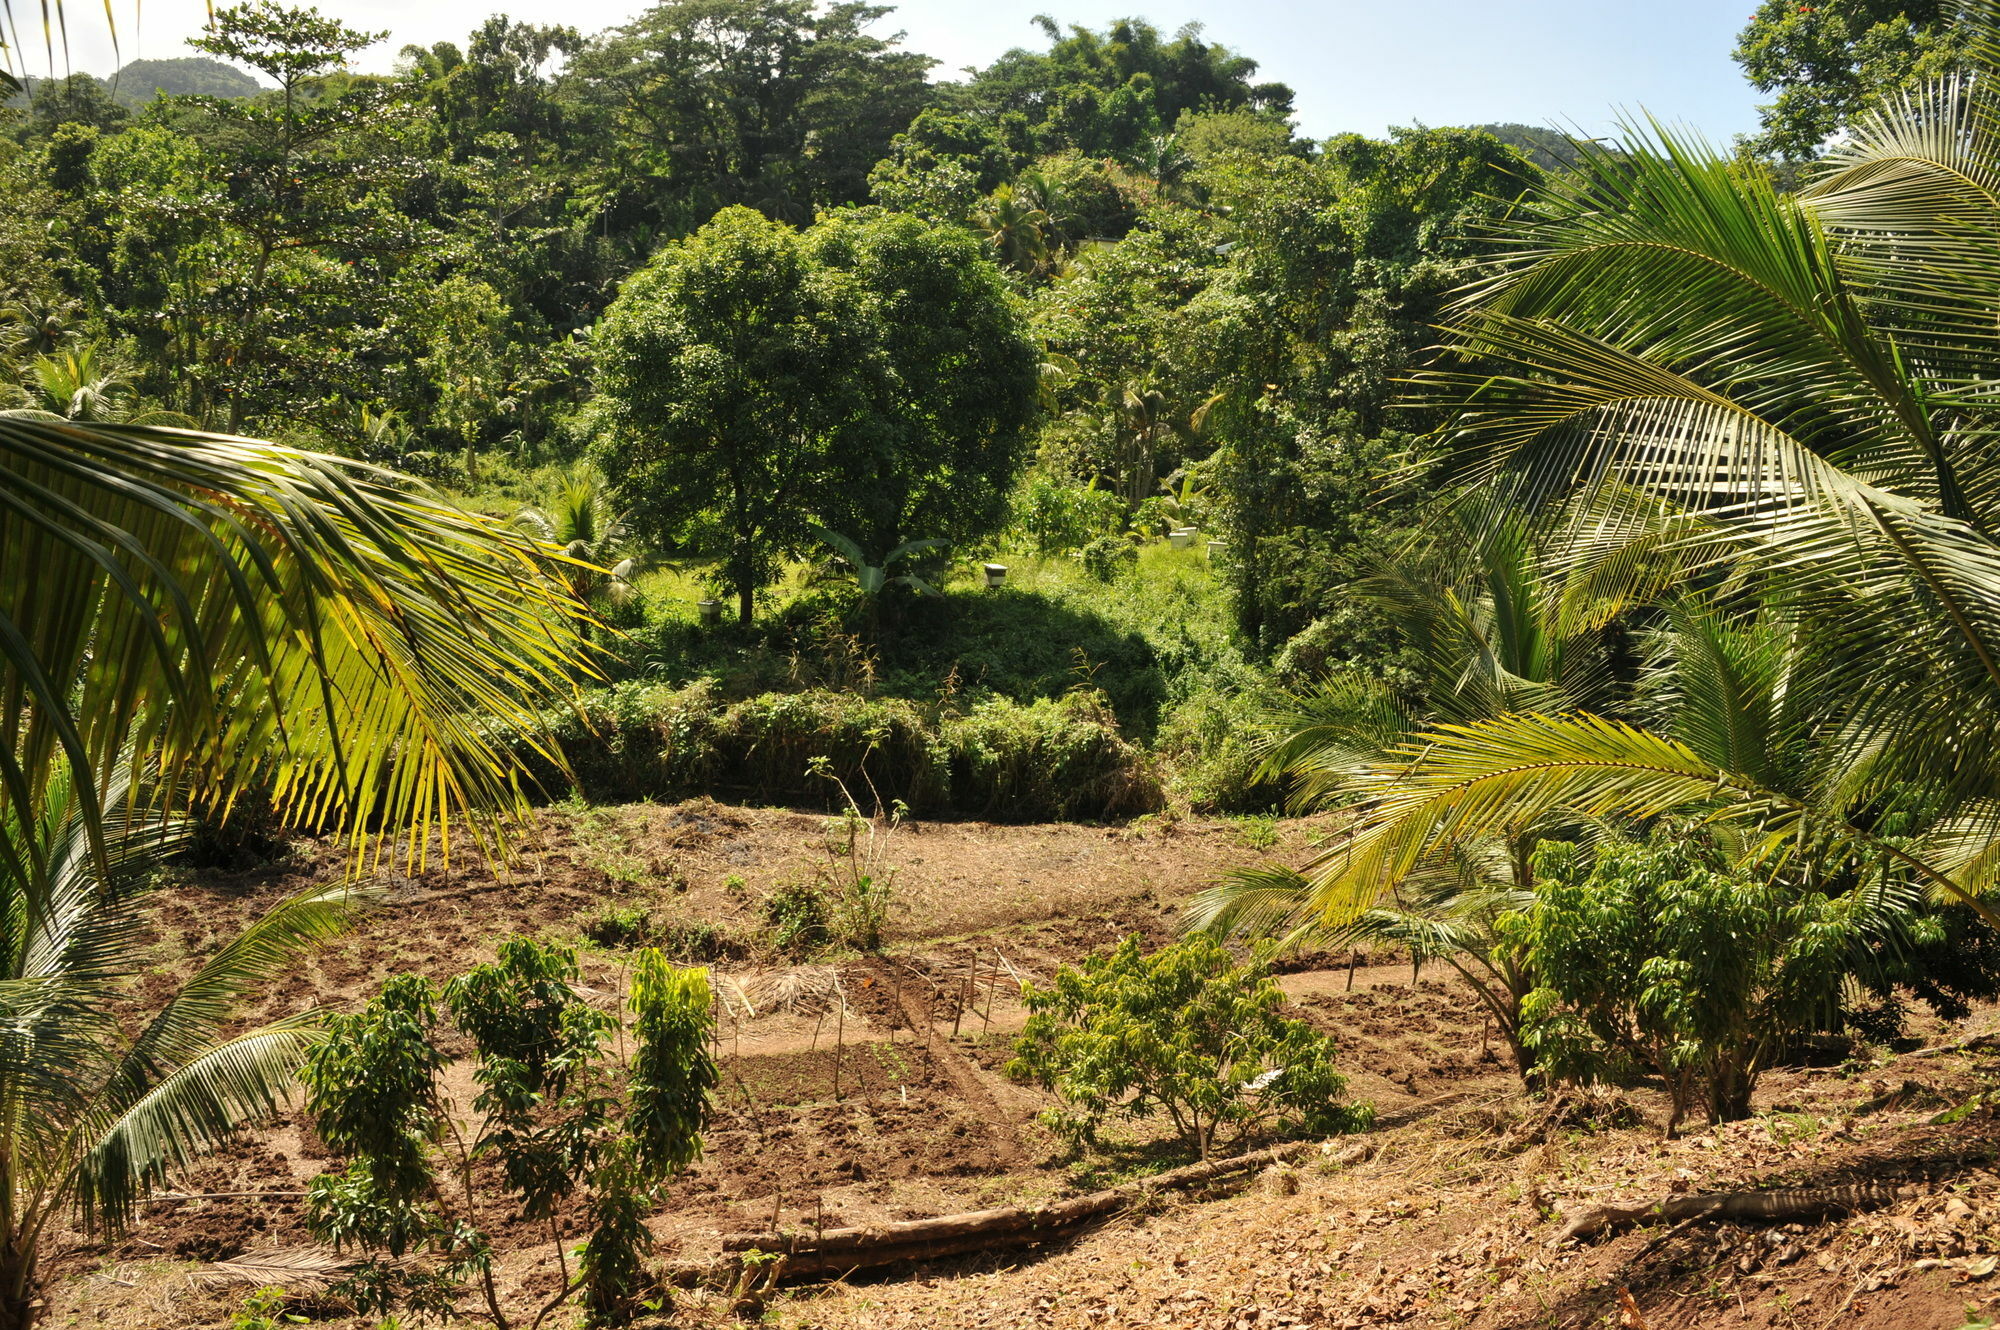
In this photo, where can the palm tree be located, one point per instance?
(1034, 190)
(1488, 635)
(1017, 231)
(590, 535)
(74, 384)
(93, 1109)
(1791, 398)
(1163, 159)
(220, 615)
(1146, 417)
(35, 325)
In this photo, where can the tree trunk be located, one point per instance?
(1729, 1089)
(745, 595)
(838, 1251)
(19, 1307)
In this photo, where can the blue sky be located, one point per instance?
(1359, 65)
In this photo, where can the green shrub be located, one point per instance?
(264, 1310)
(1062, 758)
(696, 941)
(1056, 516)
(1047, 761)
(765, 746)
(1187, 1032)
(797, 913)
(1211, 742)
(560, 1123)
(1108, 556)
(1656, 957)
(618, 926)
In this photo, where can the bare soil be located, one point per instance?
(862, 1090)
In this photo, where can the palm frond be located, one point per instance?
(195, 1107)
(304, 1269)
(240, 612)
(192, 1018)
(1499, 777)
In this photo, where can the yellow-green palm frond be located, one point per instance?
(230, 612)
(1459, 783)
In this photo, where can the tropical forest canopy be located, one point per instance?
(763, 270)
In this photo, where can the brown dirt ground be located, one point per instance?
(869, 1090)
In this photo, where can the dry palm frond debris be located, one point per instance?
(807, 990)
(298, 1268)
(1726, 1207)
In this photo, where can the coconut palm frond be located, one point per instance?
(305, 1269)
(1459, 783)
(189, 1021)
(239, 611)
(192, 1108)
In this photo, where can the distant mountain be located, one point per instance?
(141, 80)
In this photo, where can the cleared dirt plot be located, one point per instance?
(864, 1091)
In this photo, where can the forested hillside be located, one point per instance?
(649, 676)
(484, 270)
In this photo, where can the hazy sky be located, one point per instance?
(1356, 64)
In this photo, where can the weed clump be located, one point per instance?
(618, 926)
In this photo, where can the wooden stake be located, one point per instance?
(839, 1038)
(964, 997)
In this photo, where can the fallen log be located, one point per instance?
(1785, 1203)
(839, 1250)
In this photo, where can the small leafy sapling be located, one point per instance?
(569, 1146)
(1188, 1032)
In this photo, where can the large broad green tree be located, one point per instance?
(1260, 333)
(936, 455)
(1832, 62)
(1112, 92)
(307, 194)
(869, 375)
(781, 105)
(727, 368)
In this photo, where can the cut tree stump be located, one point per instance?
(1735, 1207)
(840, 1250)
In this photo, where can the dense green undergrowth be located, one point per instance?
(1058, 695)
(1049, 759)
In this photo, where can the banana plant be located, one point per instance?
(874, 578)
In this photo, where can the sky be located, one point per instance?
(1356, 65)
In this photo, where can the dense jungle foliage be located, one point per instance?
(1036, 316)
